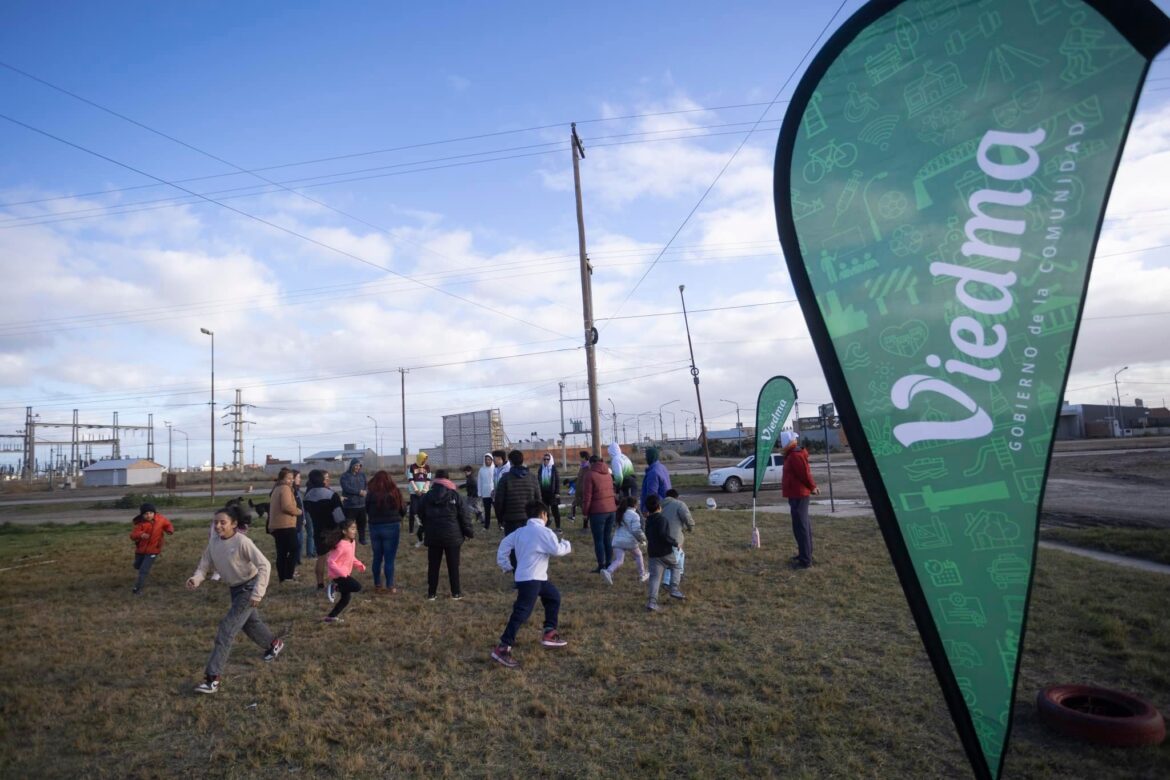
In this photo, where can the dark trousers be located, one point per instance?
(358, 514)
(602, 528)
(554, 508)
(487, 513)
(526, 594)
(143, 562)
(347, 586)
(286, 552)
(802, 530)
(435, 555)
(412, 510)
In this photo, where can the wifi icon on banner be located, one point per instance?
(878, 131)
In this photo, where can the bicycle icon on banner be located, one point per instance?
(831, 155)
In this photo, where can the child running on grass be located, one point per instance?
(628, 536)
(245, 570)
(533, 544)
(341, 565)
(149, 527)
(662, 547)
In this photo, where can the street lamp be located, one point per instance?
(211, 333)
(661, 430)
(187, 442)
(613, 406)
(377, 457)
(170, 469)
(673, 425)
(738, 424)
(1115, 390)
(693, 417)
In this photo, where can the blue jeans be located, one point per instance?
(602, 527)
(310, 543)
(526, 594)
(384, 540)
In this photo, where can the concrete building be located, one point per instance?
(343, 456)
(467, 436)
(122, 472)
(1102, 421)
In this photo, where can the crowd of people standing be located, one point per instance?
(332, 526)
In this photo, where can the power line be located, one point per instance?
(274, 225)
(311, 182)
(734, 154)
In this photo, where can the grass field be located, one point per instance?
(763, 671)
(1150, 544)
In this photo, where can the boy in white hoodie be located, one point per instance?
(533, 544)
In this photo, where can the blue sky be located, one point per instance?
(314, 336)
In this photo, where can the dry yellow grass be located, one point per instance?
(763, 671)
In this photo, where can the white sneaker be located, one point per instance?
(329, 593)
(209, 685)
(605, 575)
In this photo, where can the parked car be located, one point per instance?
(733, 478)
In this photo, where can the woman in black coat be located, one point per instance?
(445, 524)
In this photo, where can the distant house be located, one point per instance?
(342, 456)
(122, 472)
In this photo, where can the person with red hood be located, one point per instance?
(797, 484)
(446, 523)
(149, 527)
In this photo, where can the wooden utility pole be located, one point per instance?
(402, 371)
(695, 374)
(586, 298)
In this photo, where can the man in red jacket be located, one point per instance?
(149, 527)
(797, 485)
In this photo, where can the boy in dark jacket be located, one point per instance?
(662, 548)
(446, 524)
(516, 490)
(149, 527)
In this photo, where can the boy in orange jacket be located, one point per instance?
(149, 527)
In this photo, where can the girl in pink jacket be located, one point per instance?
(341, 562)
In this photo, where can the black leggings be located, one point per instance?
(434, 558)
(286, 552)
(346, 585)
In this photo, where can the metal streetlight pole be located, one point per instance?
(661, 429)
(673, 425)
(1115, 390)
(738, 425)
(211, 333)
(613, 406)
(695, 374)
(186, 441)
(377, 456)
(693, 417)
(170, 469)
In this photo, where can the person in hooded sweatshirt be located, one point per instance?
(657, 479)
(353, 495)
(600, 505)
(485, 482)
(797, 484)
(446, 524)
(624, 481)
(323, 505)
(550, 486)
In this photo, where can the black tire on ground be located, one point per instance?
(733, 484)
(1101, 715)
